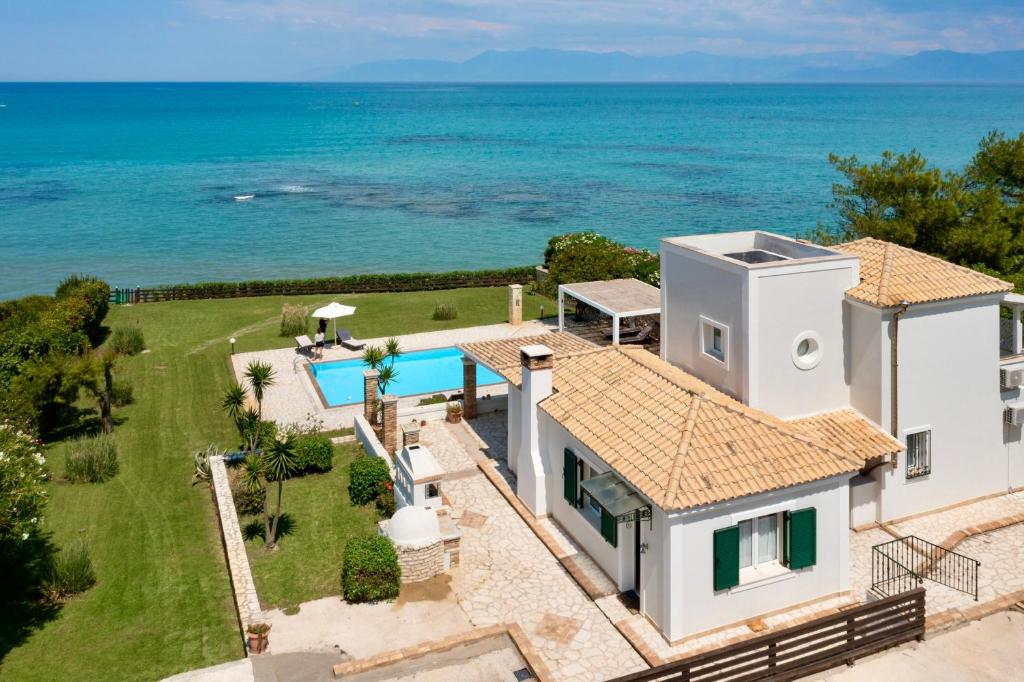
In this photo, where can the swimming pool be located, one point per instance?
(421, 371)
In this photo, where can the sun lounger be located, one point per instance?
(346, 340)
(303, 344)
(642, 337)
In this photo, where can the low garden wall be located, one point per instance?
(366, 436)
(351, 284)
(246, 600)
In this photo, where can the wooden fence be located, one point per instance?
(803, 649)
(355, 284)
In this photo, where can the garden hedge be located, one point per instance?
(366, 475)
(350, 284)
(370, 571)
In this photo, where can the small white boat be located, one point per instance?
(244, 197)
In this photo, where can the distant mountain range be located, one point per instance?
(560, 66)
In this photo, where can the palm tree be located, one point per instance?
(392, 349)
(387, 374)
(373, 357)
(261, 377)
(234, 403)
(278, 464)
(250, 428)
(254, 481)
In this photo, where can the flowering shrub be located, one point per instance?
(22, 475)
(588, 256)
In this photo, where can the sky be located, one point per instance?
(306, 39)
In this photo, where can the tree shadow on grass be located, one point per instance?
(22, 603)
(254, 529)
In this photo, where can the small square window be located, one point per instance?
(714, 341)
(919, 454)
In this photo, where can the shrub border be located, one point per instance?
(350, 284)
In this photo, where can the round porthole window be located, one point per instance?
(807, 350)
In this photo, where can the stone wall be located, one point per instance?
(421, 563)
(246, 601)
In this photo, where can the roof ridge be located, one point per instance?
(886, 272)
(684, 445)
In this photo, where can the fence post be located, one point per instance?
(771, 658)
(851, 639)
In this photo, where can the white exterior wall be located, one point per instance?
(696, 606)
(786, 302)
(867, 360)
(618, 561)
(693, 285)
(948, 382)
(512, 448)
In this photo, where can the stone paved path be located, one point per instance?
(508, 575)
(939, 526)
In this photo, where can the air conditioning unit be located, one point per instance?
(1010, 378)
(1014, 414)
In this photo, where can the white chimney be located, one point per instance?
(537, 362)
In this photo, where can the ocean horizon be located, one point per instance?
(162, 183)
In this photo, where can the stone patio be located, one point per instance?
(507, 575)
(293, 398)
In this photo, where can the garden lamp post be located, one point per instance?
(232, 340)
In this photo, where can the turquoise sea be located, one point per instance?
(136, 182)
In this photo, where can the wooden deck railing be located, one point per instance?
(803, 649)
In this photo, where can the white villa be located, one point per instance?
(800, 391)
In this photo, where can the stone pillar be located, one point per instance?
(410, 434)
(370, 386)
(468, 388)
(515, 304)
(390, 425)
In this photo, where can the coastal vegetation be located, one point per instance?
(973, 216)
(162, 599)
(588, 256)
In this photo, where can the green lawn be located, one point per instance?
(320, 519)
(163, 601)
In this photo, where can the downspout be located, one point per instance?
(894, 372)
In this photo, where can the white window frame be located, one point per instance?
(587, 509)
(762, 569)
(707, 328)
(919, 470)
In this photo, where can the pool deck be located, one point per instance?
(294, 398)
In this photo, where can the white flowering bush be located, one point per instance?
(588, 256)
(22, 479)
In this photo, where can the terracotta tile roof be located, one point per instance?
(676, 439)
(502, 355)
(849, 432)
(890, 273)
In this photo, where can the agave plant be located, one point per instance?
(201, 463)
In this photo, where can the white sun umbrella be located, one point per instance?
(332, 311)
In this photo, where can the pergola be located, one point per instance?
(617, 298)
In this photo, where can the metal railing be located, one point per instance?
(905, 563)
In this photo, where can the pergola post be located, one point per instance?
(615, 330)
(1018, 335)
(390, 422)
(468, 388)
(371, 382)
(561, 309)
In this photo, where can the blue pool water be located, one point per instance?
(423, 371)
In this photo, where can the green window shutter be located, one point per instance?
(569, 471)
(609, 528)
(727, 557)
(801, 538)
